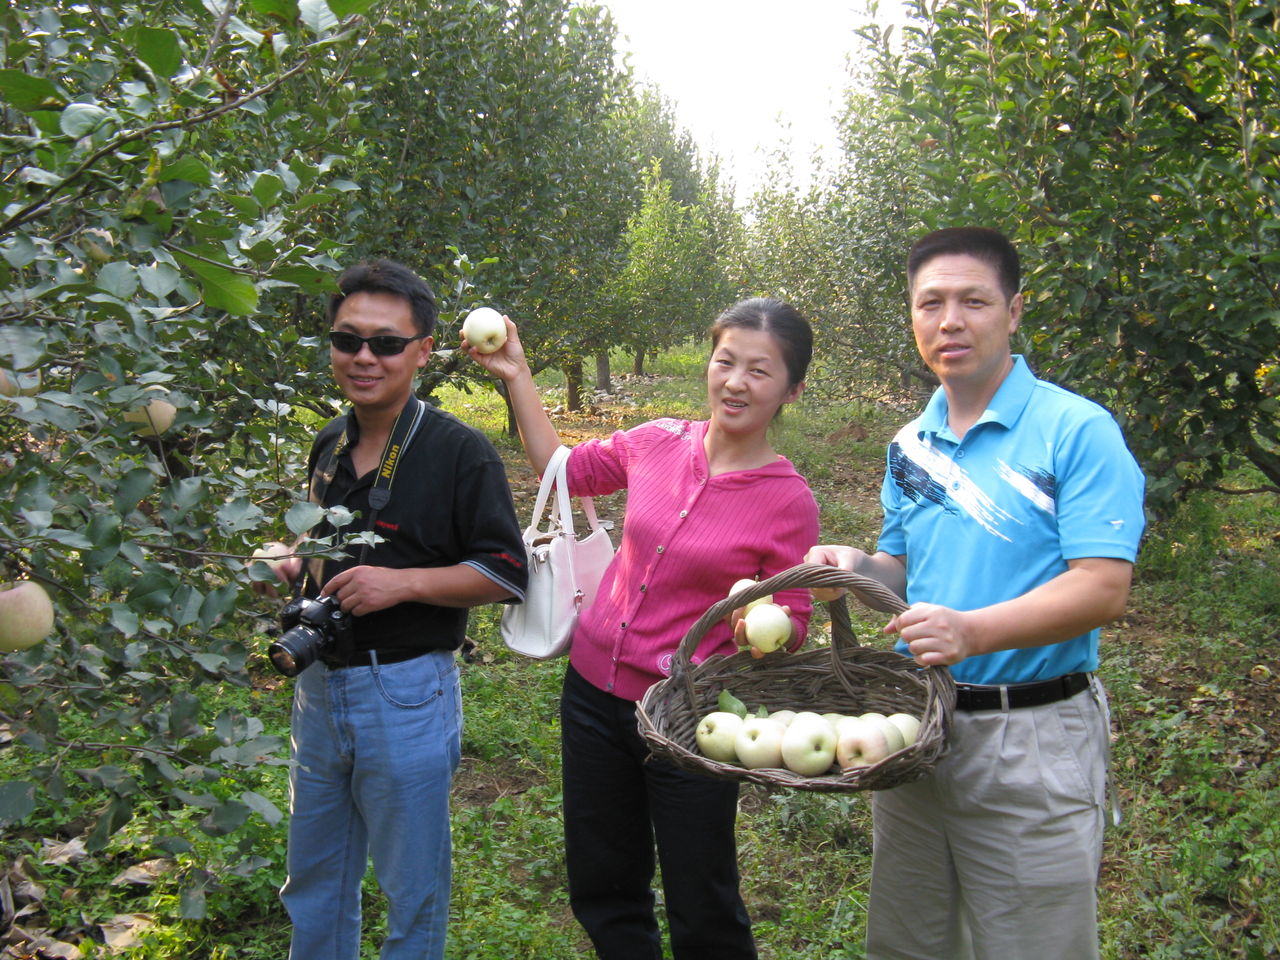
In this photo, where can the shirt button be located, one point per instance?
(624, 624)
(959, 454)
(662, 549)
(643, 587)
(608, 686)
(683, 514)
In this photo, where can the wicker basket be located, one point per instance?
(844, 678)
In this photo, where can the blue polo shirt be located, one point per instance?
(1043, 477)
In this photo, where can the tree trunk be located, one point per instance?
(512, 429)
(638, 369)
(603, 383)
(573, 385)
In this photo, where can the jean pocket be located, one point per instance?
(413, 684)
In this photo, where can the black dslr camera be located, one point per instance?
(313, 630)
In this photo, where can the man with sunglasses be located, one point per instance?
(376, 729)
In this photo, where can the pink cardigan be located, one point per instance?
(687, 539)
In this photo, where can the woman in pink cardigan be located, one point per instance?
(708, 503)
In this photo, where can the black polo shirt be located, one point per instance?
(450, 503)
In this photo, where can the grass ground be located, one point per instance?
(1192, 669)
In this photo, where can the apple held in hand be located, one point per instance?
(26, 615)
(759, 742)
(809, 745)
(716, 735)
(907, 725)
(860, 744)
(768, 627)
(746, 584)
(485, 329)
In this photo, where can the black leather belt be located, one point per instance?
(1011, 696)
(361, 658)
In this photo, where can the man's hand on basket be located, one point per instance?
(738, 624)
(887, 568)
(935, 636)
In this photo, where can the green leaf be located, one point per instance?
(118, 278)
(132, 487)
(345, 8)
(225, 818)
(27, 93)
(283, 10)
(118, 813)
(160, 50)
(193, 902)
(731, 704)
(17, 801)
(262, 807)
(317, 16)
(123, 619)
(79, 119)
(302, 516)
(267, 188)
(187, 168)
(223, 289)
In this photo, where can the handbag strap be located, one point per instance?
(556, 477)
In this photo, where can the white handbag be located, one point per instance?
(564, 572)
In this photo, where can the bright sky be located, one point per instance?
(746, 74)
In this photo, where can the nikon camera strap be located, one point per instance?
(402, 433)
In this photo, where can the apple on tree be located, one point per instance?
(26, 615)
(716, 735)
(14, 383)
(152, 418)
(485, 329)
(809, 745)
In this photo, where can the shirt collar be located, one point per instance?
(1006, 406)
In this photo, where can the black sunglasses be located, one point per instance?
(382, 345)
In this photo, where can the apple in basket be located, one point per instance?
(809, 745)
(892, 735)
(907, 725)
(716, 734)
(759, 742)
(860, 744)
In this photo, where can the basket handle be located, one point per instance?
(870, 591)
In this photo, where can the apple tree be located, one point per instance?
(1133, 150)
(167, 197)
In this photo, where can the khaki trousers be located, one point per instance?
(995, 854)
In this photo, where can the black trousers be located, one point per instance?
(617, 803)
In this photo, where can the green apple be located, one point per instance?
(892, 735)
(907, 725)
(485, 329)
(152, 419)
(747, 584)
(809, 745)
(861, 743)
(716, 734)
(784, 717)
(759, 742)
(768, 627)
(26, 615)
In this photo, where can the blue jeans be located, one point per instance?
(374, 750)
(619, 802)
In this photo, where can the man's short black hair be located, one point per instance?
(990, 246)
(387, 276)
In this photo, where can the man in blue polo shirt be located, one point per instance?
(1012, 516)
